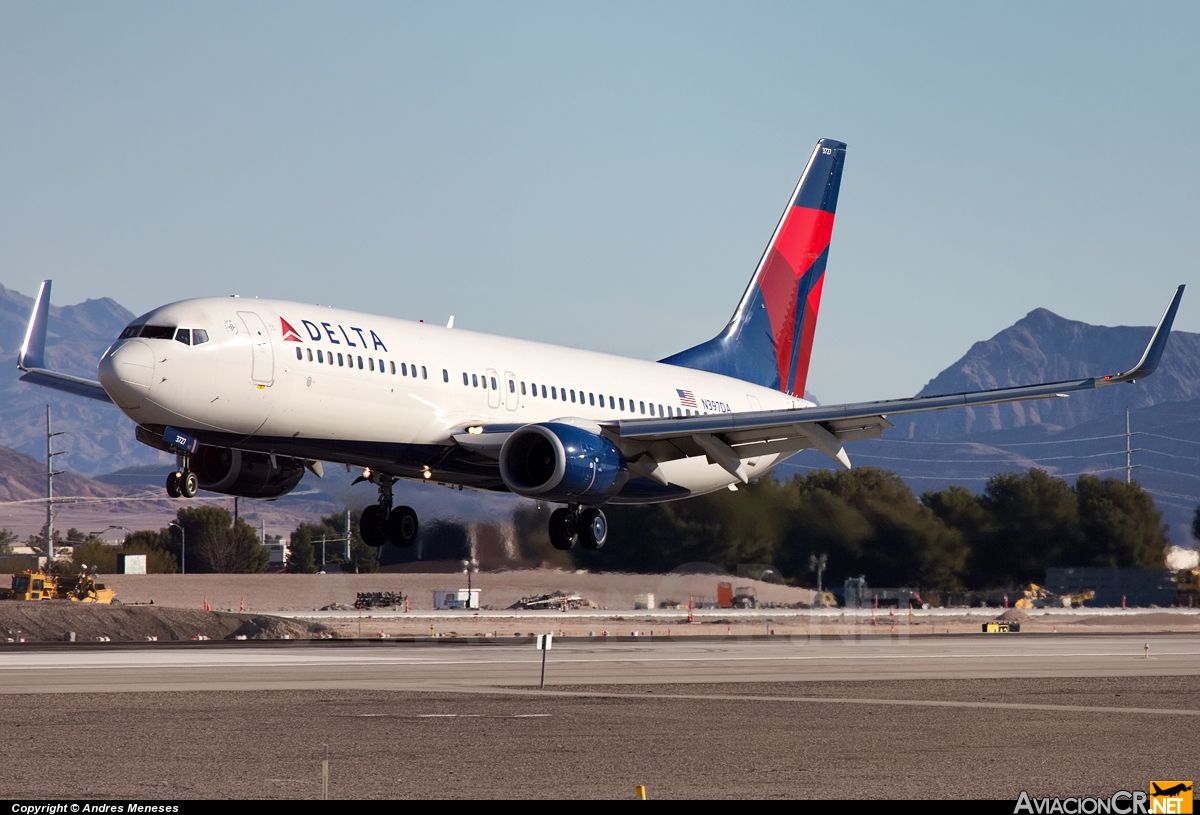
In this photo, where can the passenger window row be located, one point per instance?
(581, 397)
(323, 357)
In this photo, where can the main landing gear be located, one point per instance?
(182, 483)
(570, 525)
(381, 522)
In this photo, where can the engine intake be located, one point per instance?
(245, 474)
(560, 462)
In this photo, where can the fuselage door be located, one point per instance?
(511, 398)
(493, 386)
(262, 371)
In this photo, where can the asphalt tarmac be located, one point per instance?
(875, 717)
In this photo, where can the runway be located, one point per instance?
(480, 667)
(873, 717)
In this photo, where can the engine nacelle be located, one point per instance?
(245, 474)
(559, 462)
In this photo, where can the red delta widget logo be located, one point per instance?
(325, 332)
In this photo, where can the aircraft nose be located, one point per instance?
(126, 373)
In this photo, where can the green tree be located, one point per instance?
(7, 539)
(1034, 524)
(214, 544)
(300, 550)
(305, 540)
(1121, 526)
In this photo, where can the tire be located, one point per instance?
(173, 484)
(403, 526)
(189, 485)
(593, 529)
(371, 528)
(563, 530)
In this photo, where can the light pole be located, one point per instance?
(182, 546)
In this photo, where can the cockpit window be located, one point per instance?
(130, 331)
(157, 332)
(199, 336)
(184, 336)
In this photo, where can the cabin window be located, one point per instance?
(592, 400)
(445, 375)
(475, 380)
(622, 401)
(309, 352)
(412, 366)
(612, 403)
(158, 332)
(424, 373)
(465, 381)
(512, 386)
(522, 388)
(642, 405)
(660, 411)
(495, 387)
(403, 369)
(299, 355)
(184, 336)
(553, 392)
(130, 331)
(360, 367)
(199, 336)
(320, 355)
(329, 356)
(340, 364)
(572, 394)
(543, 391)
(371, 363)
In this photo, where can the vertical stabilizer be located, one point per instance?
(769, 339)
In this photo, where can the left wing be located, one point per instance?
(728, 439)
(32, 358)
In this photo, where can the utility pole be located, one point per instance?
(1129, 450)
(50, 473)
(346, 552)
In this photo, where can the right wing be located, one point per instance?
(32, 358)
(729, 438)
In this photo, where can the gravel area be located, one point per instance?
(527, 744)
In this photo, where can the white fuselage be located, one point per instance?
(362, 390)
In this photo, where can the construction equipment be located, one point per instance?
(555, 601)
(745, 597)
(81, 588)
(1040, 597)
(378, 599)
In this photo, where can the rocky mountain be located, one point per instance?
(1044, 347)
(97, 437)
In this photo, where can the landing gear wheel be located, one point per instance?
(593, 529)
(402, 526)
(189, 485)
(173, 484)
(371, 526)
(563, 529)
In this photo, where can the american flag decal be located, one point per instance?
(686, 398)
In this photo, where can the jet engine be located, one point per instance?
(245, 474)
(563, 463)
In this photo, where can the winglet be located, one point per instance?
(33, 350)
(1154, 351)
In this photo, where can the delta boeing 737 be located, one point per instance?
(247, 394)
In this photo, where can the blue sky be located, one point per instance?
(606, 175)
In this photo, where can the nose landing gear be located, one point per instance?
(569, 525)
(182, 483)
(381, 522)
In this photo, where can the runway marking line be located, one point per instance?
(849, 700)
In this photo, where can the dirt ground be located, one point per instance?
(687, 741)
(498, 590)
(54, 620)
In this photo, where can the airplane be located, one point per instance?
(1171, 791)
(248, 394)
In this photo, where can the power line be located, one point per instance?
(1169, 438)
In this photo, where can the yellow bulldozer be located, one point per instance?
(81, 588)
(1040, 597)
